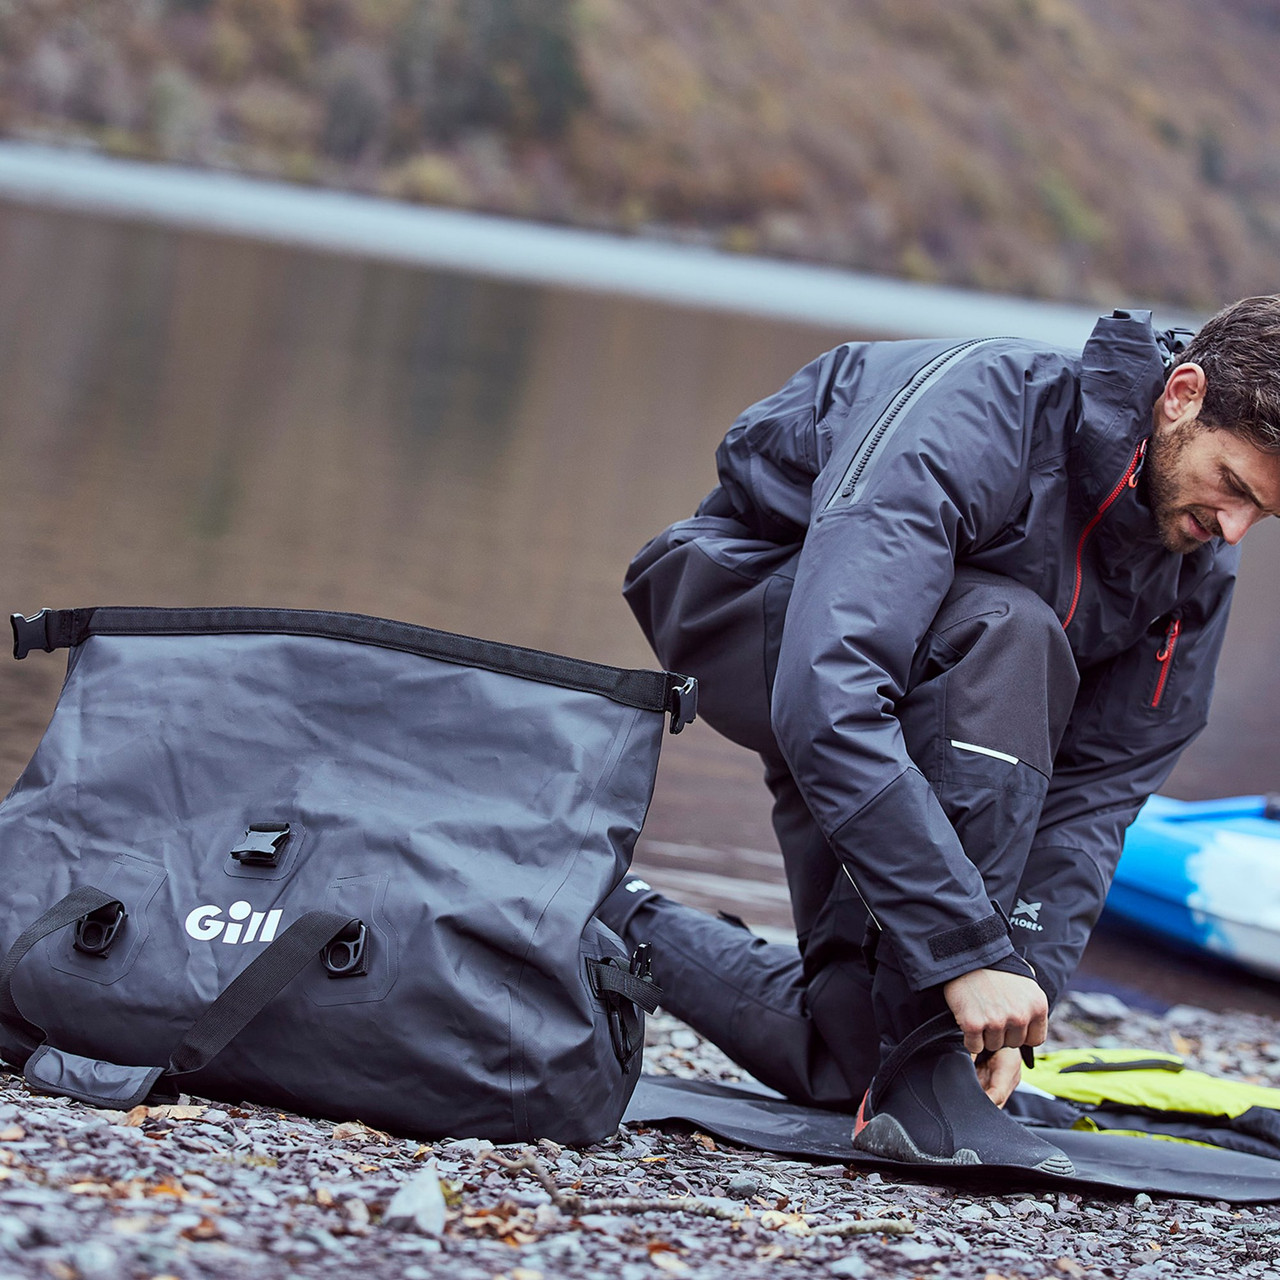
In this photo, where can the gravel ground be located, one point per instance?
(210, 1190)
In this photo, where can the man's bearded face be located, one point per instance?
(1202, 483)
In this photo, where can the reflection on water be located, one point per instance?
(186, 419)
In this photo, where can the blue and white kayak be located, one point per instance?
(1205, 874)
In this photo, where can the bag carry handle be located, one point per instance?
(101, 1083)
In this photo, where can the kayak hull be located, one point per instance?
(1205, 874)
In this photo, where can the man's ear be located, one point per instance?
(1183, 393)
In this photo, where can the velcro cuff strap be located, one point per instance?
(643, 992)
(967, 937)
(100, 1084)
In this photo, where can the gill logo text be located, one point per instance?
(203, 923)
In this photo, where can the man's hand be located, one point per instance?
(997, 1010)
(999, 1075)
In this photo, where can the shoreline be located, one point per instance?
(332, 221)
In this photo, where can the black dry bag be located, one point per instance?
(331, 863)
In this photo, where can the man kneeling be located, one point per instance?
(966, 601)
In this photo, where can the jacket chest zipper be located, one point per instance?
(1164, 656)
(1127, 481)
(888, 421)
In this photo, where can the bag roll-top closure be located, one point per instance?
(660, 691)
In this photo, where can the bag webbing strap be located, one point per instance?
(79, 902)
(255, 987)
(643, 992)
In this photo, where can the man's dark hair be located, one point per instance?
(1239, 351)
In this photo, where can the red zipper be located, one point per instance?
(1127, 481)
(1164, 656)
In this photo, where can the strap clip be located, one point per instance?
(682, 702)
(642, 962)
(347, 955)
(262, 844)
(31, 633)
(96, 931)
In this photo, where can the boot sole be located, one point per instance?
(884, 1136)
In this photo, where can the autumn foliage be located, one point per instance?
(1062, 148)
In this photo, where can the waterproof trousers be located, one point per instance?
(991, 688)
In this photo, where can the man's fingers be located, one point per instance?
(1039, 1029)
(999, 1076)
(997, 1010)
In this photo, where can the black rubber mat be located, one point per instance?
(1104, 1162)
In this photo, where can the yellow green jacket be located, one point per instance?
(1150, 1092)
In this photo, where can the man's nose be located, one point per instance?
(1235, 522)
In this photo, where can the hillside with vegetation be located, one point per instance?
(1074, 149)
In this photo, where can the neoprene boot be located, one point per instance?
(925, 1104)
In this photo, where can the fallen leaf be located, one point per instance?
(358, 1131)
(135, 1117)
(167, 1189)
(324, 1196)
(176, 1111)
(708, 1144)
(12, 1133)
(775, 1220)
(89, 1189)
(1069, 1266)
(653, 1160)
(205, 1229)
(669, 1263)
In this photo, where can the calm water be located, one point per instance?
(188, 419)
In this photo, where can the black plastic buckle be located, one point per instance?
(682, 702)
(642, 962)
(347, 955)
(30, 633)
(96, 931)
(261, 845)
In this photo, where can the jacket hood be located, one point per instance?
(1122, 372)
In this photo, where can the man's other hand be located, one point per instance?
(999, 1075)
(997, 1010)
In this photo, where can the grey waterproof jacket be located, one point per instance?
(896, 462)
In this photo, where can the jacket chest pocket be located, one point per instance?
(1165, 648)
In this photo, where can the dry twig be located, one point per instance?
(866, 1227)
(571, 1203)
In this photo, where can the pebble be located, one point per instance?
(743, 1186)
(852, 1266)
